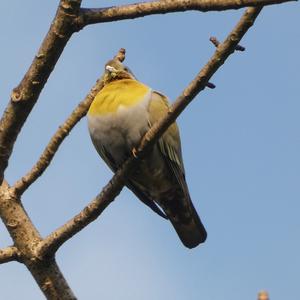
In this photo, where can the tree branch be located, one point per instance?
(9, 254)
(45, 159)
(25, 95)
(26, 237)
(131, 11)
(51, 243)
(216, 43)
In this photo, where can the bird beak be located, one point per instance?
(110, 69)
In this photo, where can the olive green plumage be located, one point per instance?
(118, 118)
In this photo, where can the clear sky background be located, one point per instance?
(241, 146)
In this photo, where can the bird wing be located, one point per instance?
(180, 210)
(169, 144)
(145, 199)
(105, 155)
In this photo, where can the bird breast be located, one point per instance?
(121, 130)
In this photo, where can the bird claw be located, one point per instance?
(134, 153)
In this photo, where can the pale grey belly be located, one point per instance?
(118, 134)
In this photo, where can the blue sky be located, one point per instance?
(241, 148)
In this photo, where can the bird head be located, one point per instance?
(115, 70)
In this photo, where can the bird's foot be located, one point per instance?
(134, 153)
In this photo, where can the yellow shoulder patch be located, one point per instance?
(125, 92)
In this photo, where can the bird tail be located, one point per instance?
(185, 220)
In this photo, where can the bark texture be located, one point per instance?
(137, 10)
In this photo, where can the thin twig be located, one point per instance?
(216, 43)
(45, 159)
(51, 243)
(9, 254)
(131, 11)
(210, 85)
